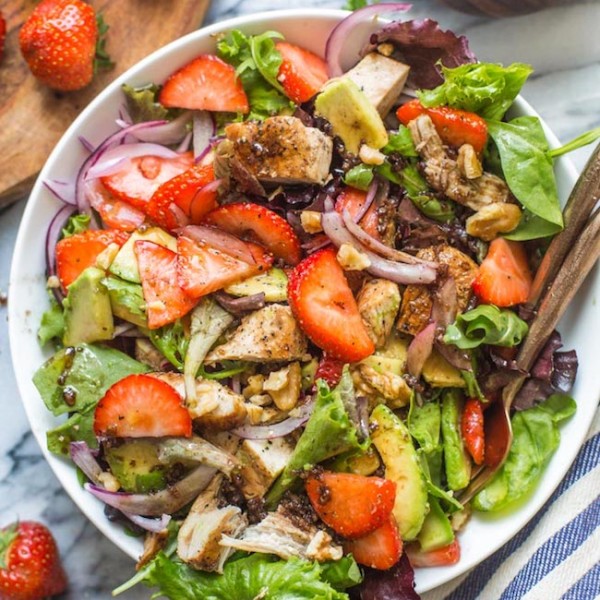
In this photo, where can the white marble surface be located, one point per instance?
(563, 46)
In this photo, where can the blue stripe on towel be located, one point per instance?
(554, 551)
(587, 587)
(586, 460)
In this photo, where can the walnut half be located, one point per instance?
(493, 219)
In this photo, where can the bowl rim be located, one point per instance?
(67, 477)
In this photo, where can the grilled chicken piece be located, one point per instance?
(277, 534)
(262, 462)
(378, 303)
(270, 334)
(215, 407)
(281, 150)
(417, 300)
(381, 79)
(444, 175)
(198, 540)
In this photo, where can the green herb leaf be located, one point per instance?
(486, 324)
(76, 224)
(528, 170)
(102, 59)
(487, 89)
(535, 439)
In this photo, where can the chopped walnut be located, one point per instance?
(284, 386)
(254, 386)
(311, 221)
(493, 219)
(468, 162)
(352, 259)
(370, 156)
(386, 49)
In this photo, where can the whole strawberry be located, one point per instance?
(30, 567)
(58, 41)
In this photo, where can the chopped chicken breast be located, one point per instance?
(277, 534)
(381, 79)
(281, 150)
(198, 540)
(270, 334)
(378, 303)
(444, 175)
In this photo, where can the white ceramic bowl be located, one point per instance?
(28, 300)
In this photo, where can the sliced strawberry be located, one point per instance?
(448, 555)
(257, 223)
(185, 191)
(165, 300)
(202, 269)
(323, 304)
(80, 251)
(354, 200)
(115, 213)
(381, 549)
(205, 83)
(140, 177)
(504, 278)
(302, 73)
(330, 370)
(352, 505)
(142, 406)
(472, 429)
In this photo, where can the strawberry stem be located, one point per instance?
(7, 537)
(102, 59)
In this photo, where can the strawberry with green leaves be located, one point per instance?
(30, 567)
(61, 41)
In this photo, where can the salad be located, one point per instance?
(283, 297)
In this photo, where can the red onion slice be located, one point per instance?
(420, 349)
(204, 129)
(220, 240)
(62, 190)
(112, 161)
(81, 455)
(334, 227)
(371, 193)
(269, 432)
(52, 236)
(166, 501)
(165, 132)
(152, 525)
(376, 246)
(445, 304)
(340, 33)
(240, 306)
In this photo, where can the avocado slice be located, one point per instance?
(391, 358)
(88, 314)
(273, 284)
(126, 300)
(437, 531)
(456, 460)
(125, 263)
(402, 465)
(353, 118)
(136, 466)
(438, 372)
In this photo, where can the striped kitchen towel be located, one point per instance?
(557, 555)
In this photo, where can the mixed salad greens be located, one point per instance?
(283, 297)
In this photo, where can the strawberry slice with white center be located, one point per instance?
(301, 73)
(141, 176)
(165, 300)
(325, 308)
(203, 269)
(205, 83)
(260, 224)
(141, 406)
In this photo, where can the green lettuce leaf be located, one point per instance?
(401, 143)
(127, 300)
(487, 89)
(486, 324)
(143, 105)
(76, 224)
(52, 324)
(257, 63)
(171, 340)
(328, 432)
(74, 379)
(249, 578)
(529, 173)
(536, 438)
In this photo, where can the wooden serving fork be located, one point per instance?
(580, 243)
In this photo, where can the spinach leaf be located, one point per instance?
(421, 196)
(78, 427)
(401, 143)
(528, 169)
(579, 142)
(52, 324)
(359, 176)
(536, 438)
(328, 432)
(486, 324)
(74, 379)
(487, 89)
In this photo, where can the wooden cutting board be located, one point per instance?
(33, 117)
